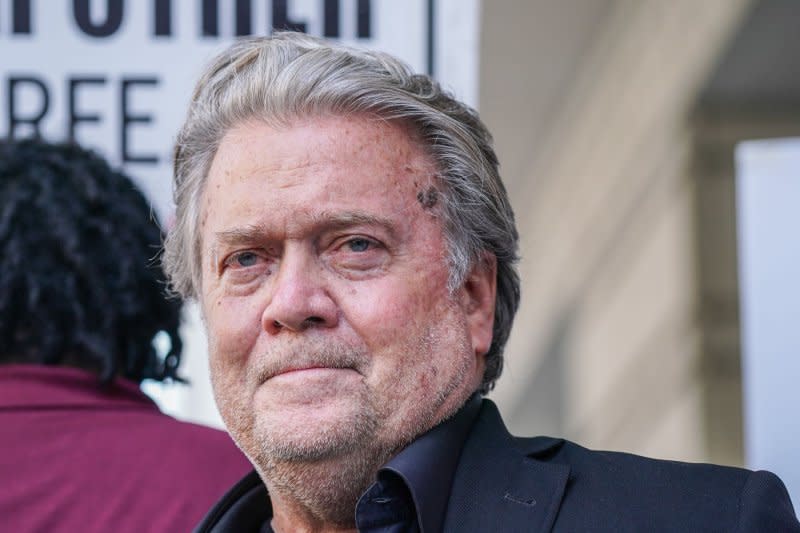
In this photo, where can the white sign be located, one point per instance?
(116, 75)
(768, 193)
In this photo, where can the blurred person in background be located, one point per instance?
(81, 302)
(343, 224)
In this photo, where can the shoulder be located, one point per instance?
(620, 465)
(589, 490)
(164, 451)
(186, 444)
(613, 471)
(626, 489)
(690, 496)
(188, 465)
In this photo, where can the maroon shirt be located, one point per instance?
(75, 457)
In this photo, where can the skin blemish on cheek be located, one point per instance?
(203, 218)
(428, 198)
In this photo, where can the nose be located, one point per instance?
(299, 298)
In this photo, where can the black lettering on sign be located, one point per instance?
(108, 27)
(210, 18)
(33, 120)
(331, 18)
(162, 18)
(244, 16)
(75, 116)
(128, 119)
(280, 17)
(21, 17)
(364, 25)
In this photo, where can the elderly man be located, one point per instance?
(344, 227)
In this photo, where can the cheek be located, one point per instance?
(384, 315)
(403, 327)
(233, 328)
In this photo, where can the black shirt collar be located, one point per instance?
(427, 466)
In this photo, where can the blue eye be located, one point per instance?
(358, 245)
(246, 259)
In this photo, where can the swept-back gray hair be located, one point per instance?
(289, 76)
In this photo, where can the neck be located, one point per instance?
(291, 517)
(320, 496)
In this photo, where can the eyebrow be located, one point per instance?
(240, 235)
(251, 233)
(346, 219)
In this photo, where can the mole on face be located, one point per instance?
(428, 198)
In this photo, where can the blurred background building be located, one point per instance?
(616, 123)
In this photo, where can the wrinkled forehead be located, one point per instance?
(305, 166)
(258, 147)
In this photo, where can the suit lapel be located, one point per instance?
(500, 486)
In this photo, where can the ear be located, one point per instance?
(477, 300)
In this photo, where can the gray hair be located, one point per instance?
(290, 76)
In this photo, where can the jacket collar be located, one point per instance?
(244, 508)
(501, 484)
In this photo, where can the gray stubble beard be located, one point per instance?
(328, 474)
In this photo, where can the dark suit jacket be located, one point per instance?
(509, 484)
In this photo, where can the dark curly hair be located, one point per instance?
(80, 277)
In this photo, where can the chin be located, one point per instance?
(315, 432)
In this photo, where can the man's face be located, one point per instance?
(324, 290)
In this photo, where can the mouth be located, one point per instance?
(311, 361)
(309, 371)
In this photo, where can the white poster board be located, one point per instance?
(768, 204)
(115, 75)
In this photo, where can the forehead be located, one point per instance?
(260, 148)
(306, 168)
